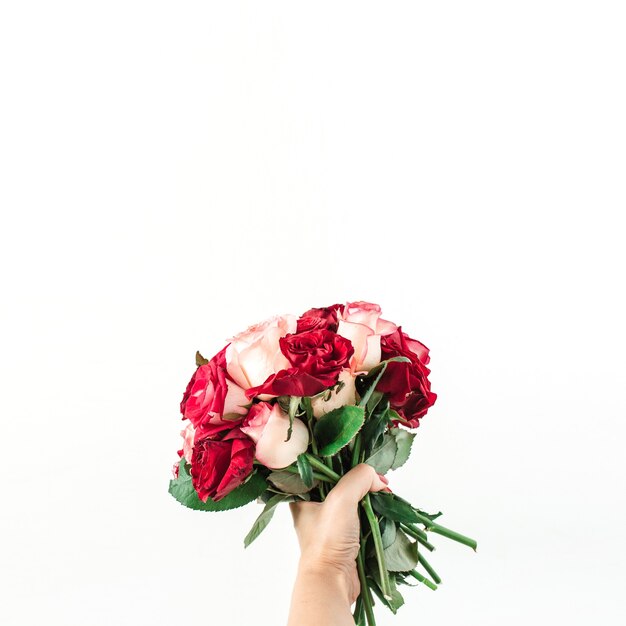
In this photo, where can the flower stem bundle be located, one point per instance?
(289, 406)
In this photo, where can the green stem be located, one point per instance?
(418, 531)
(423, 579)
(424, 520)
(450, 534)
(356, 451)
(414, 533)
(446, 532)
(429, 568)
(366, 594)
(359, 612)
(294, 470)
(385, 587)
(318, 465)
(429, 546)
(372, 387)
(306, 403)
(322, 490)
(313, 444)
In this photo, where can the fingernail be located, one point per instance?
(387, 490)
(383, 479)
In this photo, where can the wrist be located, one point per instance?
(320, 596)
(327, 576)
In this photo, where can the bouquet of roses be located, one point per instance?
(293, 403)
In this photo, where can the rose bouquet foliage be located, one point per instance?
(293, 403)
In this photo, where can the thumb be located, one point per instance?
(352, 486)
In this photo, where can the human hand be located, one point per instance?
(328, 532)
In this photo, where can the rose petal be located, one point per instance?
(372, 355)
(346, 395)
(357, 334)
(272, 450)
(236, 400)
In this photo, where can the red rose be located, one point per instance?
(406, 383)
(317, 357)
(211, 394)
(290, 382)
(320, 353)
(219, 466)
(324, 318)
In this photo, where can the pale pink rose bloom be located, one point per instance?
(254, 354)
(346, 395)
(368, 313)
(365, 342)
(267, 426)
(188, 435)
(361, 323)
(236, 401)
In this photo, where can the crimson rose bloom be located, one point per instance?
(218, 466)
(317, 357)
(324, 318)
(406, 383)
(206, 391)
(321, 353)
(211, 394)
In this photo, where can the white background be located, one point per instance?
(172, 172)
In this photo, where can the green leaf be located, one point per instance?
(404, 440)
(359, 612)
(305, 469)
(334, 430)
(289, 482)
(308, 407)
(263, 520)
(401, 555)
(389, 506)
(294, 403)
(375, 426)
(382, 459)
(367, 384)
(372, 403)
(200, 360)
(373, 574)
(388, 533)
(431, 516)
(182, 490)
(394, 415)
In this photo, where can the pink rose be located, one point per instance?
(188, 437)
(341, 394)
(211, 395)
(255, 354)
(360, 322)
(267, 426)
